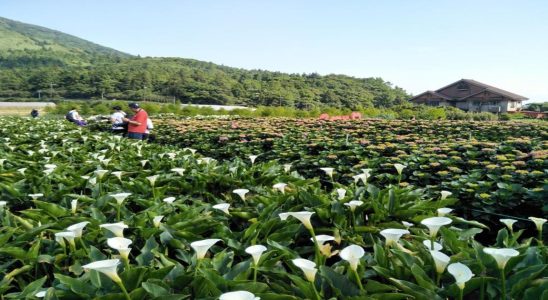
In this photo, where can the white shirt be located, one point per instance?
(149, 126)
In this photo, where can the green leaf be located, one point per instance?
(51, 209)
(33, 287)
(15, 252)
(133, 277)
(342, 284)
(421, 278)
(520, 280)
(146, 256)
(415, 290)
(154, 289)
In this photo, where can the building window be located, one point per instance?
(433, 103)
(512, 104)
(476, 103)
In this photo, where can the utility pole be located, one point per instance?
(39, 91)
(51, 90)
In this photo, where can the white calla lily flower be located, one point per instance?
(121, 244)
(107, 267)
(202, 246)
(255, 251)
(303, 216)
(440, 260)
(435, 223)
(399, 168)
(169, 200)
(352, 255)
(252, 158)
(341, 193)
(509, 223)
(445, 194)
(328, 171)
(280, 187)
(307, 266)
(393, 235)
(120, 197)
(539, 222)
(36, 196)
(100, 173)
(152, 179)
(287, 167)
(179, 171)
(41, 294)
(444, 211)
(407, 224)
(118, 174)
(241, 193)
(69, 236)
(502, 256)
(222, 207)
(428, 245)
(73, 206)
(157, 221)
(78, 228)
(238, 295)
(353, 204)
(116, 228)
(461, 273)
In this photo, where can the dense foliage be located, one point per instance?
(492, 167)
(35, 60)
(63, 188)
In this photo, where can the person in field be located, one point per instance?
(34, 113)
(137, 125)
(148, 135)
(117, 120)
(74, 117)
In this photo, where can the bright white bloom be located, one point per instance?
(48, 171)
(144, 162)
(461, 273)
(116, 228)
(393, 235)
(169, 200)
(120, 197)
(256, 251)
(539, 222)
(22, 171)
(157, 220)
(193, 151)
(93, 181)
(407, 224)
(2, 160)
(78, 228)
(440, 260)
(40, 294)
(121, 244)
(328, 171)
(367, 173)
(3, 204)
(100, 173)
(207, 160)
(509, 223)
(179, 171)
(303, 216)
(280, 187)
(352, 255)
(241, 193)
(359, 177)
(253, 158)
(435, 223)
(502, 256)
(223, 207)
(353, 204)
(202, 246)
(428, 245)
(50, 166)
(60, 237)
(36, 196)
(238, 295)
(308, 267)
(341, 193)
(399, 168)
(171, 155)
(152, 179)
(118, 174)
(73, 205)
(445, 194)
(107, 267)
(287, 167)
(323, 238)
(444, 211)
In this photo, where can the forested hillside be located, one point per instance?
(35, 61)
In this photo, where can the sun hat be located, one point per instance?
(134, 105)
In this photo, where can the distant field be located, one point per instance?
(22, 108)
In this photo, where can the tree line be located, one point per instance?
(49, 75)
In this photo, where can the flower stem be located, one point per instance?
(121, 285)
(461, 294)
(118, 213)
(317, 258)
(255, 273)
(358, 279)
(316, 291)
(438, 277)
(84, 246)
(503, 283)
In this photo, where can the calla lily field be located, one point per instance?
(268, 208)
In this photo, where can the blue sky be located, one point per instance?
(415, 44)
